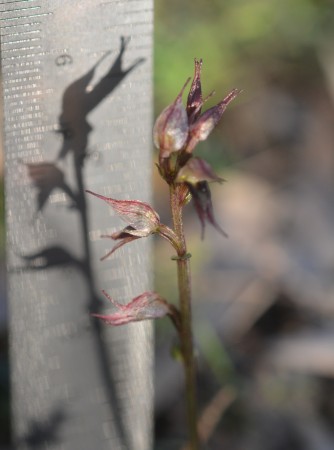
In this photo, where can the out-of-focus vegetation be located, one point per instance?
(2, 224)
(240, 41)
(268, 291)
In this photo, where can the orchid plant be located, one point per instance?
(176, 133)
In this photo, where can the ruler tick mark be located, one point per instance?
(29, 55)
(27, 24)
(16, 33)
(25, 17)
(137, 11)
(17, 1)
(20, 9)
(20, 41)
(18, 49)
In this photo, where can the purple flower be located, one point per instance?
(180, 129)
(202, 200)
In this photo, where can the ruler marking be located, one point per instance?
(25, 17)
(23, 79)
(23, 94)
(21, 41)
(22, 116)
(23, 72)
(24, 64)
(20, 9)
(21, 49)
(17, 33)
(17, 1)
(29, 24)
(20, 88)
(137, 11)
(118, 25)
(24, 126)
(20, 64)
(24, 56)
(112, 2)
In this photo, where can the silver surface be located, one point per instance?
(77, 115)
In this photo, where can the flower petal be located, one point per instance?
(202, 200)
(170, 131)
(124, 240)
(141, 216)
(195, 100)
(195, 170)
(200, 130)
(148, 305)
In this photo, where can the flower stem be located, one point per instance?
(185, 332)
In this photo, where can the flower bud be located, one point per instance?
(170, 131)
(200, 130)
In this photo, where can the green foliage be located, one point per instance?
(235, 38)
(215, 355)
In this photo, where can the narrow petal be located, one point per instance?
(141, 216)
(209, 119)
(200, 130)
(148, 305)
(203, 205)
(120, 244)
(195, 100)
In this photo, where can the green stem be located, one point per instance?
(186, 338)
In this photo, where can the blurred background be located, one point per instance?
(264, 297)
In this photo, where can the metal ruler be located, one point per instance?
(77, 115)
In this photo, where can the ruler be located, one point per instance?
(76, 85)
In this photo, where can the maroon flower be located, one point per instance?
(202, 127)
(170, 131)
(196, 174)
(180, 129)
(195, 100)
(142, 221)
(202, 200)
(148, 305)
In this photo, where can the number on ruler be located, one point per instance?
(64, 59)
